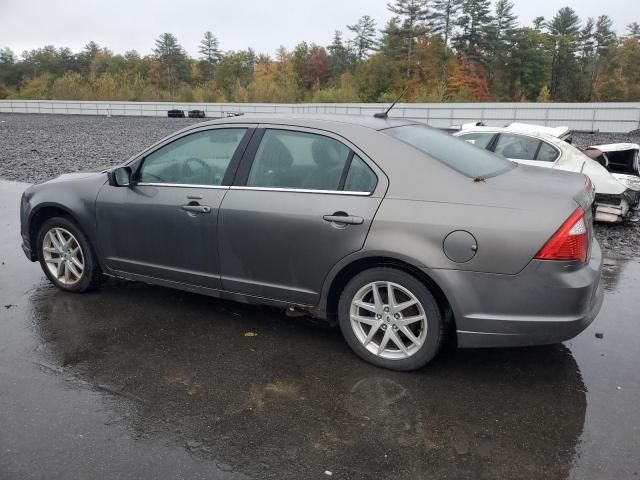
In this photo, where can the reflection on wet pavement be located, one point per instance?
(171, 382)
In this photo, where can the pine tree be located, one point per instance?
(365, 40)
(172, 56)
(209, 53)
(633, 30)
(500, 39)
(474, 22)
(443, 18)
(412, 15)
(565, 30)
(538, 23)
(340, 56)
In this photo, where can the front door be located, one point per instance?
(305, 202)
(165, 225)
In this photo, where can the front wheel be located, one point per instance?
(390, 319)
(66, 256)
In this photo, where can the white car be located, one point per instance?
(617, 195)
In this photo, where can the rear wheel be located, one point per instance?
(66, 256)
(390, 319)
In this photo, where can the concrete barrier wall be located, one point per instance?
(605, 117)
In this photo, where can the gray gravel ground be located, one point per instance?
(34, 148)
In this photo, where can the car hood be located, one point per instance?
(77, 175)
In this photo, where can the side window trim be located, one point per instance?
(535, 156)
(345, 170)
(231, 169)
(244, 169)
(249, 155)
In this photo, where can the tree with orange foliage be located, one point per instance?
(467, 82)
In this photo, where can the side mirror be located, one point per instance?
(120, 177)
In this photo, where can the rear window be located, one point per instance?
(454, 152)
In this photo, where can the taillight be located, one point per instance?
(570, 242)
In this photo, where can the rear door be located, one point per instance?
(303, 200)
(165, 225)
(527, 150)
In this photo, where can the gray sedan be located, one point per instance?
(399, 233)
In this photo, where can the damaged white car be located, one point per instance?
(617, 193)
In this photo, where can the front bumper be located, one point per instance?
(614, 208)
(548, 302)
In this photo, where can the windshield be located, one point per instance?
(454, 152)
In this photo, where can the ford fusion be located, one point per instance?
(399, 233)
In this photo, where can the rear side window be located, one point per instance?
(454, 152)
(298, 160)
(547, 153)
(517, 147)
(479, 139)
(360, 177)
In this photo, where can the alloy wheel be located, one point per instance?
(388, 320)
(63, 256)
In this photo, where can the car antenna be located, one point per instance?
(386, 114)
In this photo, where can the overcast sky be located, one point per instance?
(262, 24)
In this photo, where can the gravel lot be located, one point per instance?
(34, 148)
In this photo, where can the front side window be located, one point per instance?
(517, 147)
(201, 158)
(298, 160)
(453, 152)
(479, 139)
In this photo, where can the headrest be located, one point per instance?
(275, 154)
(326, 154)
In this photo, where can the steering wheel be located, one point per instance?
(187, 171)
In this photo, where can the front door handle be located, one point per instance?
(196, 208)
(343, 219)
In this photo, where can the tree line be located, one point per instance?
(433, 50)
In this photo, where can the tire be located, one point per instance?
(427, 332)
(49, 252)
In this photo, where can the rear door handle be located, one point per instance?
(344, 219)
(196, 208)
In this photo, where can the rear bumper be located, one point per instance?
(548, 302)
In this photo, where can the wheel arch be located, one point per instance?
(41, 214)
(340, 276)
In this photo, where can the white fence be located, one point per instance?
(605, 117)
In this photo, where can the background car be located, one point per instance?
(400, 233)
(617, 197)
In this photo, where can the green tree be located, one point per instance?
(341, 58)
(500, 41)
(530, 63)
(443, 17)
(412, 15)
(209, 50)
(565, 31)
(474, 22)
(173, 58)
(633, 30)
(364, 41)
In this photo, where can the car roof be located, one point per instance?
(524, 128)
(315, 120)
(540, 135)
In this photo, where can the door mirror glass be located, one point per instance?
(120, 177)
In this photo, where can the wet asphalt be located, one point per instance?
(142, 382)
